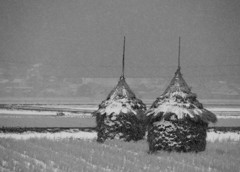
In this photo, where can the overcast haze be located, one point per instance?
(49, 46)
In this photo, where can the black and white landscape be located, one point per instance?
(59, 61)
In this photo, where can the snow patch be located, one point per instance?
(228, 116)
(224, 109)
(26, 112)
(117, 106)
(220, 136)
(211, 136)
(52, 136)
(31, 113)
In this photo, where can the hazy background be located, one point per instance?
(73, 48)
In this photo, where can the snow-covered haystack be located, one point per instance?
(177, 121)
(121, 115)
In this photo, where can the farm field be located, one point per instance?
(39, 140)
(41, 121)
(16, 120)
(76, 155)
(43, 115)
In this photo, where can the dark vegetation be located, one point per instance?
(177, 120)
(127, 125)
(89, 129)
(44, 129)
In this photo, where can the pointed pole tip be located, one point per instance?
(179, 51)
(123, 58)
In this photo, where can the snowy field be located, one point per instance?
(212, 136)
(20, 113)
(79, 152)
(69, 134)
(27, 118)
(52, 109)
(74, 150)
(34, 118)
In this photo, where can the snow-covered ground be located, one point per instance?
(19, 113)
(228, 116)
(224, 109)
(211, 136)
(223, 136)
(59, 135)
(26, 112)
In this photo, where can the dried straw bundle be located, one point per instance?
(121, 116)
(177, 120)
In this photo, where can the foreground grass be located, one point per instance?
(87, 156)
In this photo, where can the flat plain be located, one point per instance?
(73, 151)
(76, 155)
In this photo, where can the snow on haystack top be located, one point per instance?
(178, 99)
(121, 100)
(121, 105)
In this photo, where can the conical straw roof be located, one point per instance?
(122, 94)
(178, 99)
(122, 90)
(121, 115)
(177, 84)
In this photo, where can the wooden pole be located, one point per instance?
(179, 50)
(123, 59)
